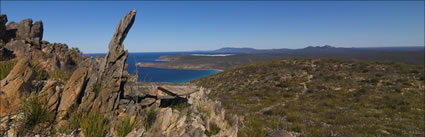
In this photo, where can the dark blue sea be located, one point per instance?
(149, 74)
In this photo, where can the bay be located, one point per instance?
(150, 74)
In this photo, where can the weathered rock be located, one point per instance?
(36, 34)
(14, 85)
(73, 91)
(147, 101)
(178, 90)
(19, 48)
(52, 94)
(25, 30)
(113, 67)
(93, 66)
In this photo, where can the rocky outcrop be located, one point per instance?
(24, 40)
(199, 116)
(15, 85)
(113, 67)
(25, 30)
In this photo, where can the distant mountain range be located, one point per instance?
(325, 48)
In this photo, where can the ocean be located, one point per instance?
(150, 74)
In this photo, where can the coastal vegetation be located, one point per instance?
(125, 126)
(6, 67)
(35, 116)
(323, 97)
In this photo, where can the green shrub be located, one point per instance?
(35, 113)
(74, 51)
(60, 75)
(125, 126)
(5, 68)
(180, 106)
(93, 124)
(214, 129)
(73, 121)
(150, 119)
(96, 88)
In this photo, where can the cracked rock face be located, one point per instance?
(113, 67)
(14, 85)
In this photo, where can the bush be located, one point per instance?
(125, 126)
(5, 68)
(180, 106)
(150, 119)
(73, 121)
(35, 113)
(93, 124)
(75, 51)
(214, 129)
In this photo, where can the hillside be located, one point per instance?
(323, 97)
(242, 56)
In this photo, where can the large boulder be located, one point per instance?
(113, 67)
(15, 85)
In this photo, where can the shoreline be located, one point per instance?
(139, 64)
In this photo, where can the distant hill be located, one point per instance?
(323, 97)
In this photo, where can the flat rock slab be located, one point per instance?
(178, 90)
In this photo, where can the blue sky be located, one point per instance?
(208, 25)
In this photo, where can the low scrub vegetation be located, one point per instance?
(60, 75)
(214, 129)
(317, 97)
(179, 106)
(5, 68)
(93, 124)
(150, 119)
(125, 126)
(35, 115)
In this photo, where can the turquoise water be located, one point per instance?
(149, 74)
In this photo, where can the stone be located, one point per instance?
(15, 85)
(147, 101)
(36, 34)
(132, 89)
(52, 94)
(73, 91)
(113, 66)
(25, 30)
(178, 90)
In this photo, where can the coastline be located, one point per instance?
(165, 66)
